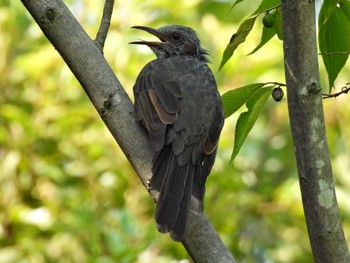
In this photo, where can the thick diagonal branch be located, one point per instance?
(115, 108)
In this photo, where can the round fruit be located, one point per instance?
(269, 20)
(277, 94)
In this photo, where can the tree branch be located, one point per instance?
(344, 90)
(308, 131)
(115, 108)
(105, 23)
(335, 53)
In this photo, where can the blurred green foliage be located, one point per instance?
(68, 194)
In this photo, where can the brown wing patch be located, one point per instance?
(211, 142)
(209, 148)
(164, 116)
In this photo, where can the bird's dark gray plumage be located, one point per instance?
(176, 99)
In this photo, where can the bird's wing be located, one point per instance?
(212, 140)
(207, 159)
(157, 95)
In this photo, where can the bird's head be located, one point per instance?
(175, 40)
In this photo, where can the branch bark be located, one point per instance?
(116, 109)
(105, 23)
(308, 131)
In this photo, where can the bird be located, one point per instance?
(177, 101)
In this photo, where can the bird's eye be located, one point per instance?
(176, 36)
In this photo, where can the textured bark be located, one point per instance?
(105, 24)
(115, 108)
(308, 131)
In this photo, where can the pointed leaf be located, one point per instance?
(247, 119)
(236, 39)
(237, 2)
(278, 23)
(334, 41)
(234, 99)
(267, 34)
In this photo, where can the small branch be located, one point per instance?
(276, 83)
(334, 95)
(104, 26)
(272, 8)
(335, 53)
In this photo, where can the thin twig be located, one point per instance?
(335, 53)
(272, 8)
(104, 26)
(334, 95)
(276, 83)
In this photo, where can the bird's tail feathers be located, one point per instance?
(200, 177)
(175, 184)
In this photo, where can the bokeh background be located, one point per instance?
(68, 194)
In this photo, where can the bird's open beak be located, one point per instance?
(152, 31)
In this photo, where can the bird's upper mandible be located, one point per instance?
(174, 40)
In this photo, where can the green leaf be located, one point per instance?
(234, 99)
(266, 5)
(236, 39)
(267, 34)
(328, 8)
(345, 7)
(236, 3)
(334, 41)
(247, 119)
(278, 26)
